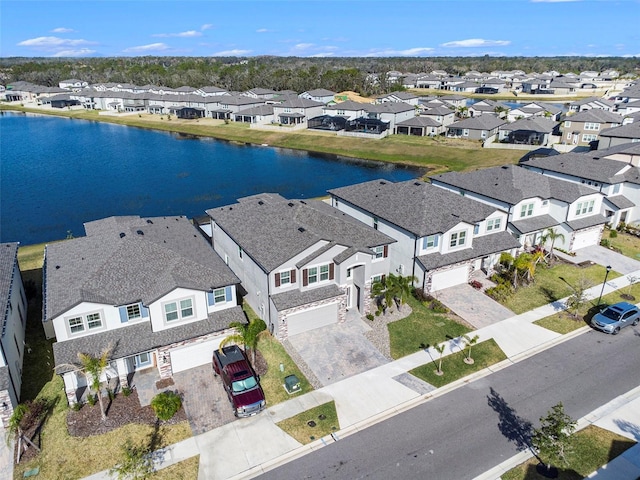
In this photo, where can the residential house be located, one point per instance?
(261, 115)
(488, 106)
(405, 97)
(13, 302)
(321, 95)
(420, 126)
(630, 108)
(582, 128)
(441, 237)
(73, 84)
(391, 112)
(476, 128)
(528, 131)
(261, 93)
(611, 137)
(534, 109)
(443, 115)
(613, 172)
(535, 203)
(226, 106)
(591, 102)
(347, 109)
(150, 290)
(303, 263)
(296, 110)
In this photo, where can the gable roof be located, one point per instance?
(512, 184)
(320, 92)
(483, 122)
(125, 260)
(415, 206)
(535, 124)
(8, 256)
(630, 130)
(595, 115)
(272, 229)
(419, 122)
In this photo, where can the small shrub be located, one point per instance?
(378, 313)
(166, 405)
(475, 284)
(126, 391)
(613, 234)
(91, 399)
(111, 394)
(500, 292)
(605, 242)
(370, 316)
(437, 306)
(76, 406)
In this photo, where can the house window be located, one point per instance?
(133, 312)
(379, 252)
(178, 310)
(589, 137)
(219, 295)
(312, 275)
(429, 242)
(616, 188)
(567, 124)
(375, 223)
(476, 229)
(584, 207)
(186, 308)
(285, 277)
(143, 360)
(457, 239)
(376, 278)
(591, 126)
(526, 210)
(94, 321)
(349, 272)
(76, 325)
(493, 224)
(324, 273)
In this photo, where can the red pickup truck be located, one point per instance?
(240, 381)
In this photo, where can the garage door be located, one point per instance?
(193, 355)
(455, 276)
(312, 318)
(585, 239)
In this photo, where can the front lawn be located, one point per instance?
(593, 448)
(628, 245)
(484, 354)
(553, 283)
(312, 424)
(421, 329)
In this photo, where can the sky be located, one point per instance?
(327, 28)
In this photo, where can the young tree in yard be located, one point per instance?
(550, 235)
(440, 350)
(469, 342)
(249, 335)
(554, 437)
(137, 463)
(93, 368)
(578, 296)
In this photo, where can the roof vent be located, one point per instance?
(149, 222)
(301, 229)
(57, 267)
(505, 167)
(260, 202)
(139, 232)
(383, 182)
(122, 234)
(290, 204)
(417, 184)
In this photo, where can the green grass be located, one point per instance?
(563, 322)
(628, 245)
(593, 448)
(484, 354)
(420, 329)
(552, 284)
(324, 416)
(184, 470)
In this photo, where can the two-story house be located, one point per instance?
(441, 237)
(613, 172)
(303, 264)
(347, 109)
(534, 109)
(13, 305)
(591, 102)
(535, 203)
(612, 137)
(150, 290)
(319, 95)
(296, 110)
(584, 127)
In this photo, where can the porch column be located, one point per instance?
(123, 372)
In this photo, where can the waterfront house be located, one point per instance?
(534, 109)
(13, 302)
(347, 109)
(529, 131)
(591, 102)
(441, 237)
(296, 110)
(441, 114)
(150, 290)
(488, 106)
(535, 203)
(421, 126)
(303, 264)
(476, 128)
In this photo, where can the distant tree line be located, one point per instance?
(364, 75)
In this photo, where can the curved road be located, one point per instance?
(470, 430)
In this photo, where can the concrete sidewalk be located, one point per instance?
(372, 396)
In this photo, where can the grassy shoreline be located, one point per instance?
(433, 154)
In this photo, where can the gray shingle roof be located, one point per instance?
(534, 224)
(534, 124)
(595, 115)
(138, 338)
(8, 253)
(483, 122)
(419, 122)
(586, 222)
(621, 202)
(631, 130)
(296, 298)
(320, 92)
(272, 230)
(484, 245)
(129, 259)
(418, 207)
(512, 184)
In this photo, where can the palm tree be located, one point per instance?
(550, 236)
(440, 350)
(469, 342)
(248, 334)
(93, 368)
(383, 292)
(401, 287)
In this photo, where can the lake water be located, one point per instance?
(57, 173)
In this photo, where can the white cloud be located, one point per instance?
(321, 54)
(53, 42)
(263, 30)
(82, 52)
(62, 30)
(231, 53)
(303, 46)
(476, 42)
(409, 52)
(206, 26)
(636, 55)
(187, 34)
(152, 47)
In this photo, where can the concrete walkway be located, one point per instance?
(374, 395)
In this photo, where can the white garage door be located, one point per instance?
(312, 318)
(455, 276)
(585, 239)
(193, 355)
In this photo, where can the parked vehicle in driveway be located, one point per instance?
(615, 317)
(240, 381)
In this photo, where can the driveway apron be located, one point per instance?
(338, 351)
(603, 256)
(473, 306)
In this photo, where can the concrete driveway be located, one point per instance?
(338, 351)
(473, 306)
(603, 256)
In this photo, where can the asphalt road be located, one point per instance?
(470, 430)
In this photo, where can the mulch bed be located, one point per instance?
(261, 365)
(121, 411)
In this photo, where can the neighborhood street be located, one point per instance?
(470, 430)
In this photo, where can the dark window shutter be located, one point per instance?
(385, 253)
(293, 276)
(277, 279)
(383, 278)
(331, 271)
(305, 278)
